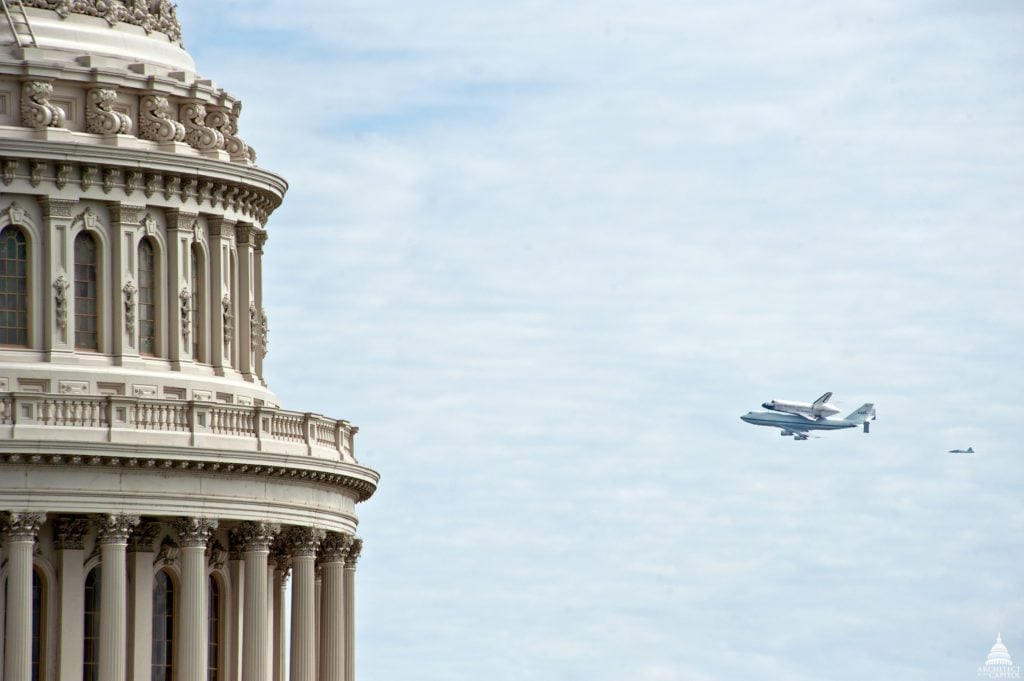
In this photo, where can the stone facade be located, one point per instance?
(155, 496)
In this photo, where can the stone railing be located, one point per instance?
(172, 423)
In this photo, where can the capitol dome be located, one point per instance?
(998, 655)
(155, 493)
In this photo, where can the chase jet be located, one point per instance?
(820, 408)
(969, 450)
(799, 426)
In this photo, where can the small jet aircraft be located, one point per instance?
(820, 408)
(969, 450)
(799, 426)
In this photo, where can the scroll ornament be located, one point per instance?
(155, 122)
(197, 134)
(151, 15)
(36, 110)
(226, 122)
(60, 288)
(100, 119)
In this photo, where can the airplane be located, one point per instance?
(799, 426)
(969, 450)
(821, 408)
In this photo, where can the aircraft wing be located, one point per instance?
(806, 416)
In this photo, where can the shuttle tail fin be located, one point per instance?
(822, 400)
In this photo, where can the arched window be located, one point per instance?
(163, 627)
(86, 293)
(213, 648)
(38, 624)
(13, 287)
(198, 296)
(147, 298)
(91, 629)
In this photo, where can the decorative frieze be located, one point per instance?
(20, 527)
(36, 110)
(70, 533)
(195, 531)
(155, 122)
(100, 118)
(114, 529)
(253, 536)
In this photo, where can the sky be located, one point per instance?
(545, 254)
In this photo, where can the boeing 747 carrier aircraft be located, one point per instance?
(800, 425)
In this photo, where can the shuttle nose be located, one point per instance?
(745, 417)
(767, 405)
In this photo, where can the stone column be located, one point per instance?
(193, 621)
(21, 529)
(282, 564)
(69, 540)
(254, 540)
(140, 601)
(333, 551)
(113, 539)
(350, 608)
(303, 542)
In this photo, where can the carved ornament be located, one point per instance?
(228, 319)
(70, 533)
(186, 313)
(36, 110)
(60, 288)
(195, 531)
(114, 529)
(155, 122)
(15, 213)
(88, 177)
(129, 292)
(151, 15)
(354, 552)
(334, 547)
(198, 135)
(251, 536)
(10, 170)
(35, 172)
(88, 219)
(264, 333)
(23, 527)
(100, 119)
(303, 541)
(141, 539)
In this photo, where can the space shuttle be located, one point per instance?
(820, 408)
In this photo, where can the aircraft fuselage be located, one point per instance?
(807, 409)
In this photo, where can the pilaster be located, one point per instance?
(222, 303)
(140, 619)
(58, 276)
(124, 228)
(180, 321)
(69, 541)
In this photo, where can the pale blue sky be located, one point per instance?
(545, 254)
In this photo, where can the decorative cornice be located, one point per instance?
(151, 15)
(195, 532)
(23, 527)
(70, 533)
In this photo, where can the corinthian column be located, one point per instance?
(303, 542)
(21, 538)
(194, 621)
(113, 539)
(254, 541)
(350, 608)
(333, 550)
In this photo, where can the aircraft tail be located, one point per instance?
(865, 413)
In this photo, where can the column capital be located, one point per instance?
(125, 213)
(114, 529)
(221, 227)
(180, 219)
(142, 537)
(195, 532)
(70, 533)
(334, 548)
(303, 541)
(57, 208)
(251, 536)
(23, 527)
(354, 551)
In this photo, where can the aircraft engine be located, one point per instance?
(867, 426)
(785, 433)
